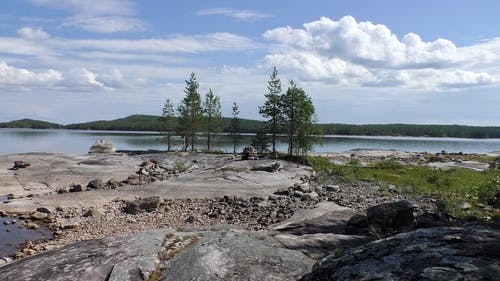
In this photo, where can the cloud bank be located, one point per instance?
(366, 54)
(237, 14)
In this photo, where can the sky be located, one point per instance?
(361, 61)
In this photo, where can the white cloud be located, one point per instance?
(367, 54)
(78, 79)
(178, 44)
(29, 33)
(107, 24)
(99, 16)
(237, 14)
(19, 77)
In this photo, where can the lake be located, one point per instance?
(79, 142)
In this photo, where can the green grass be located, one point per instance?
(453, 187)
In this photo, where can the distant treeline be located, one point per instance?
(155, 123)
(452, 131)
(30, 123)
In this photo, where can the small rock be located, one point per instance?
(20, 165)
(190, 219)
(43, 210)
(39, 216)
(31, 225)
(76, 188)
(96, 184)
(332, 188)
(466, 206)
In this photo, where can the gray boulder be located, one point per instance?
(103, 146)
(328, 217)
(444, 253)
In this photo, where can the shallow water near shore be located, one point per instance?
(13, 235)
(78, 142)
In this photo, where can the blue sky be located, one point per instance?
(432, 62)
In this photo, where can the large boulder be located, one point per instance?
(443, 253)
(103, 146)
(393, 215)
(328, 217)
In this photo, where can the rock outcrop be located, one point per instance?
(166, 255)
(103, 146)
(447, 253)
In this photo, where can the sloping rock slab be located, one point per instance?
(425, 254)
(237, 255)
(326, 218)
(127, 258)
(320, 245)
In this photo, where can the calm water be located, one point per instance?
(79, 142)
(14, 234)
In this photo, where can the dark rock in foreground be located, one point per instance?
(447, 253)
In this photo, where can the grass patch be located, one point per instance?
(453, 187)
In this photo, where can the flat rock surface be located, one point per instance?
(127, 258)
(167, 255)
(207, 176)
(50, 171)
(448, 253)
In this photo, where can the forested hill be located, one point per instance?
(31, 124)
(453, 131)
(154, 123)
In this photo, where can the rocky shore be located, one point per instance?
(221, 217)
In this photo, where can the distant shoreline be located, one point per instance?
(151, 123)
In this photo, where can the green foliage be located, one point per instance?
(212, 114)
(272, 108)
(488, 193)
(354, 162)
(388, 164)
(169, 121)
(31, 124)
(453, 186)
(190, 112)
(261, 141)
(298, 114)
(319, 164)
(181, 166)
(235, 124)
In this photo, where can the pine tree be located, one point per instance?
(235, 126)
(212, 111)
(272, 107)
(190, 112)
(169, 121)
(298, 112)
